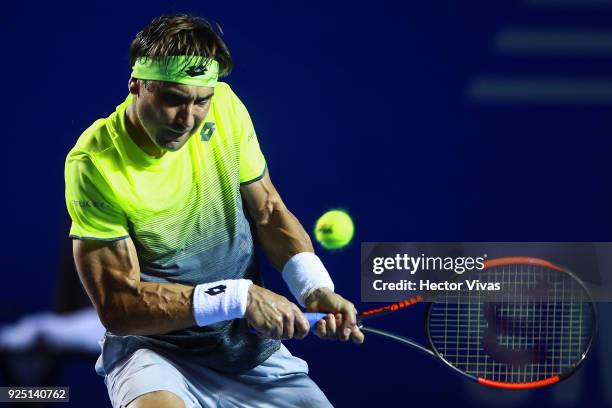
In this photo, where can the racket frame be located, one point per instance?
(431, 350)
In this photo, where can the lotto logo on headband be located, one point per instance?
(196, 70)
(180, 69)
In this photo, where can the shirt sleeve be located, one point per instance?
(90, 202)
(252, 164)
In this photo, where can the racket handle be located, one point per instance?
(313, 319)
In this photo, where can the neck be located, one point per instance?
(137, 133)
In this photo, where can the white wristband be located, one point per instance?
(304, 273)
(222, 300)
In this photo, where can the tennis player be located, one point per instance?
(156, 192)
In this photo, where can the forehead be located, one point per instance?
(188, 91)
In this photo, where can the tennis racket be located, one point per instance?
(533, 332)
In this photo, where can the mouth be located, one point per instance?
(173, 135)
(179, 132)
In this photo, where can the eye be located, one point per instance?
(202, 102)
(171, 99)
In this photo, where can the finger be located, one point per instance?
(321, 329)
(276, 329)
(301, 325)
(340, 328)
(357, 335)
(330, 322)
(340, 323)
(339, 320)
(288, 329)
(351, 315)
(350, 320)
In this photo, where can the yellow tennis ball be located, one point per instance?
(334, 229)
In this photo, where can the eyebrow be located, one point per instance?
(184, 97)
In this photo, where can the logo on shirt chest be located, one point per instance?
(207, 131)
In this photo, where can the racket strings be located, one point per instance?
(538, 325)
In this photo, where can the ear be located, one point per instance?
(134, 86)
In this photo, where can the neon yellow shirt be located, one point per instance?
(183, 212)
(110, 181)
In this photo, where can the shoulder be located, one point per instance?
(93, 141)
(80, 169)
(227, 106)
(81, 159)
(225, 96)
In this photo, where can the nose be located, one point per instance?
(185, 116)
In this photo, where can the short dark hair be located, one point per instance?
(181, 34)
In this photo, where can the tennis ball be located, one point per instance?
(334, 229)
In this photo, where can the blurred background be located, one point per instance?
(427, 121)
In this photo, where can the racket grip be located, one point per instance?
(313, 319)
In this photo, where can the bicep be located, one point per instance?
(261, 198)
(106, 269)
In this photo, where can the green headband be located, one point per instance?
(181, 69)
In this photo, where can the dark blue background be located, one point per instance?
(359, 105)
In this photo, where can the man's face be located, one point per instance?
(170, 113)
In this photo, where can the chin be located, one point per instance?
(172, 147)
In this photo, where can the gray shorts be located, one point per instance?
(280, 381)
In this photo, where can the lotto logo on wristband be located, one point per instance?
(215, 290)
(208, 308)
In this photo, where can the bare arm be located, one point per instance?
(280, 233)
(111, 276)
(282, 236)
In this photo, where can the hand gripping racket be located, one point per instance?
(533, 332)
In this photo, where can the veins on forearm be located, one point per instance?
(281, 235)
(147, 308)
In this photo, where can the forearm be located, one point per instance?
(110, 273)
(284, 240)
(282, 236)
(148, 308)
(290, 250)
